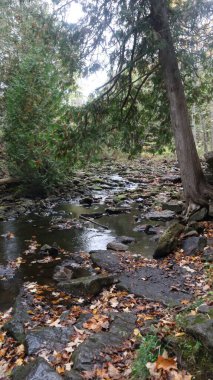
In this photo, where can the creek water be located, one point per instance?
(77, 237)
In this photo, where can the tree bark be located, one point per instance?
(196, 190)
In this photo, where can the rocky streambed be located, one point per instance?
(78, 270)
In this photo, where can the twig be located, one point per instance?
(92, 221)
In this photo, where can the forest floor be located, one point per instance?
(90, 325)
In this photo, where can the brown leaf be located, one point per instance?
(97, 323)
(113, 372)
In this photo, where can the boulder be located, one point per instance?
(107, 260)
(168, 241)
(36, 370)
(200, 327)
(199, 215)
(194, 245)
(86, 286)
(115, 246)
(160, 215)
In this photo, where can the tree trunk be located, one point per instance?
(196, 190)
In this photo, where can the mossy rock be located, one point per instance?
(168, 241)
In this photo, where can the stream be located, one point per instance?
(56, 226)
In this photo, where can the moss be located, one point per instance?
(192, 355)
(168, 240)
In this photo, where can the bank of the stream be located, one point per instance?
(79, 267)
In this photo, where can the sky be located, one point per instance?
(90, 83)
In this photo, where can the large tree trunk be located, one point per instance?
(195, 188)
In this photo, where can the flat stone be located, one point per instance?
(55, 338)
(86, 286)
(155, 284)
(160, 215)
(192, 246)
(126, 239)
(176, 206)
(117, 211)
(62, 273)
(72, 375)
(106, 259)
(89, 352)
(115, 246)
(168, 241)
(37, 370)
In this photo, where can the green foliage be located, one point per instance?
(148, 352)
(37, 100)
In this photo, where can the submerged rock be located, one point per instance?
(86, 286)
(36, 370)
(168, 241)
(125, 239)
(49, 250)
(194, 245)
(117, 211)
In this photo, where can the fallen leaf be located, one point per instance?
(113, 372)
(165, 363)
(180, 334)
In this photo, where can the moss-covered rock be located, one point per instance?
(168, 241)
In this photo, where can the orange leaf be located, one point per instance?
(165, 364)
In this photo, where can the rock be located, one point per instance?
(94, 215)
(16, 326)
(205, 309)
(176, 206)
(36, 370)
(115, 246)
(62, 273)
(142, 228)
(91, 352)
(126, 239)
(117, 211)
(201, 327)
(208, 255)
(86, 201)
(171, 178)
(192, 246)
(86, 286)
(49, 250)
(150, 230)
(7, 273)
(190, 233)
(55, 338)
(72, 375)
(199, 215)
(107, 260)
(168, 241)
(155, 284)
(160, 215)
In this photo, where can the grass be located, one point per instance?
(149, 350)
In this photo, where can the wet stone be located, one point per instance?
(89, 353)
(107, 260)
(192, 246)
(117, 211)
(160, 215)
(176, 206)
(16, 326)
(155, 284)
(37, 370)
(55, 338)
(115, 246)
(125, 239)
(86, 286)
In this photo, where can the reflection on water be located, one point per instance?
(78, 238)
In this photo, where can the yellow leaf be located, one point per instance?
(136, 332)
(19, 361)
(180, 334)
(20, 349)
(165, 363)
